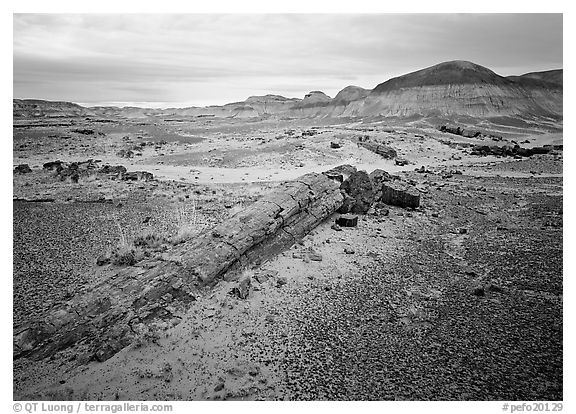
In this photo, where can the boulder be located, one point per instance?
(399, 193)
(52, 165)
(22, 169)
(377, 178)
(359, 187)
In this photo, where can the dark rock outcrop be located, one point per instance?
(508, 150)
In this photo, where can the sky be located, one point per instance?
(162, 60)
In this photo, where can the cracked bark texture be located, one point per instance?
(117, 310)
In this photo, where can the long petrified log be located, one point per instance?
(384, 150)
(118, 309)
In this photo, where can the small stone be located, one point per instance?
(282, 280)
(243, 289)
(315, 257)
(103, 259)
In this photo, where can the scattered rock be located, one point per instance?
(242, 290)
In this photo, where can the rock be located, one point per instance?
(422, 170)
(112, 170)
(335, 145)
(380, 149)
(52, 165)
(84, 131)
(349, 250)
(103, 259)
(377, 178)
(263, 276)
(137, 176)
(479, 291)
(340, 173)
(22, 169)
(401, 194)
(347, 220)
(219, 387)
(281, 281)
(336, 227)
(359, 187)
(125, 153)
(314, 256)
(401, 161)
(494, 288)
(348, 203)
(243, 289)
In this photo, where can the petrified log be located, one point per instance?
(391, 190)
(266, 227)
(380, 149)
(398, 193)
(116, 310)
(347, 220)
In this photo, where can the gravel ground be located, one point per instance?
(413, 329)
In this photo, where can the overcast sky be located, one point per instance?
(183, 60)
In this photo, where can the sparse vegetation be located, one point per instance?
(187, 224)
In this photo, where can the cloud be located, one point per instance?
(216, 58)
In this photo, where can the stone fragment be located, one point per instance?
(347, 220)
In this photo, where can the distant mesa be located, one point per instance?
(349, 94)
(447, 89)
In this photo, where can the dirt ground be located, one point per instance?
(460, 299)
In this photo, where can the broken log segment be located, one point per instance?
(384, 150)
(117, 310)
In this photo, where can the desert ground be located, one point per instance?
(457, 299)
